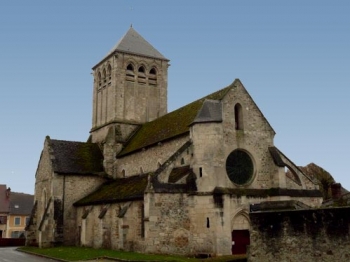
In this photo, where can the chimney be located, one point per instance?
(336, 190)
(8, 192)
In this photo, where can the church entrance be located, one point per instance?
(240, 241)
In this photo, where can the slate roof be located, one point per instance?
(21, 204)
(171, 125)
(76, 157)
(133, 43)
(119, 190)
(211, 111)
(4, 202)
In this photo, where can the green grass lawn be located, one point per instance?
(84, 253)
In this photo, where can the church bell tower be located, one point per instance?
(130, 87)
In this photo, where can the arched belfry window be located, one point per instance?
(152, 77)
(104, 75)
(109, 73)
(130, 74)
(99, 79)
(141, 76)
(238, 117)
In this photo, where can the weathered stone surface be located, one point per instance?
(308, 235)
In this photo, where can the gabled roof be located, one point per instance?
(21, 204)
(171, 125)
(119, 190)
(133, 43)
(76, 157)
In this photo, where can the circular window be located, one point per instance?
(239, 167)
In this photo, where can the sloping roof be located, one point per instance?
(171, 125)
(119, 190)
(76, 157)
(21, 204)
(133, 43)
(179, 172)
(211, 111)
(4, 201)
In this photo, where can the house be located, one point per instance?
(15, 210)
(151, 181)
(4, 209)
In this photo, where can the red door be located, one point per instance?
(240, 241)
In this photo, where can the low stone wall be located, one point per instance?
(303, 235)
(12, 242)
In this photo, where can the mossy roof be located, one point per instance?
(171, 125)
(179, 172)
(72, 157)
(119, 190)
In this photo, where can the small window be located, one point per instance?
(15, 234)
(141, 69)
(3, 220)
(142, 211)
(182, 161)
(200, 172)
(141, 77)
(109, 72)
(208, 222)
(123, 173)
(238, 117)
(152, 78)
(130, 67)
(130, 74)
(99, 79)
(27, 220)
(17, 221)
(104, 76)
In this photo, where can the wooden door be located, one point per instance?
(240, 241)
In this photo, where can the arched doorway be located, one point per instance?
(240, 234)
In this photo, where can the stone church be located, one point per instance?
(150, 181)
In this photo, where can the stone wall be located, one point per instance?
(87, 184)
(115, 226)
(43, 194)
(306, 235)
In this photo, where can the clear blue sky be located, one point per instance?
(292, 56)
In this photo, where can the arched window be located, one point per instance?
(104, 76)
(141, 69)
(141, 77)
(238, 117)
(123, 173)
(130, 74)
(109, 73)
(152, 77)
(44, 200)
(99, 78)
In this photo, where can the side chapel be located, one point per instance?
(150, 181)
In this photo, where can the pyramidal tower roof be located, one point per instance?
(132, 42)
